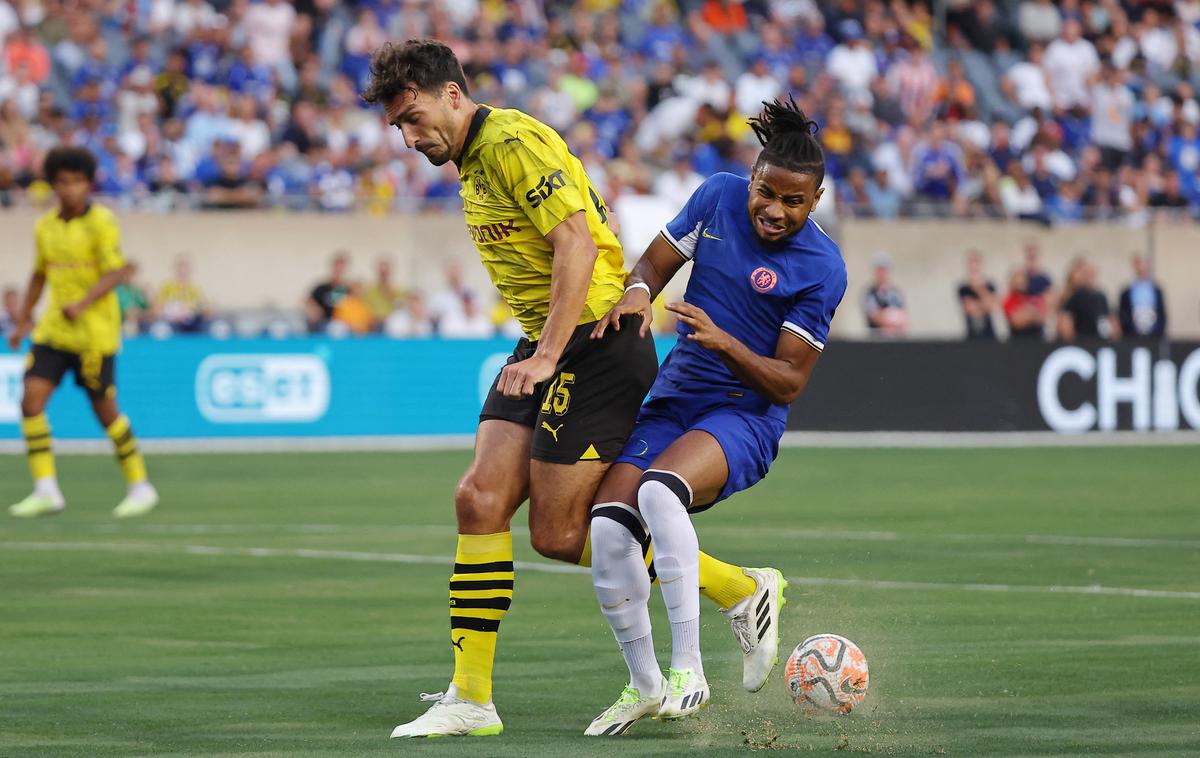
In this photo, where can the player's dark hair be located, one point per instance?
(788, 139)
(418, 65)
(76, 159)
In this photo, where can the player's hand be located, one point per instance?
(17, 334)
(73, 311)
(519, 379)
(704, 331)
(635, 301)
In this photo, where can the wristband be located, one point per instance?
(640, 286)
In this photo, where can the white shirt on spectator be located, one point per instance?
(887, 157)
(253, 135)
(463, 327)
(852, 67)
(676, 188)
(751, 90)
(1039, 21)
(1029, 83)
(1069, 65)
(1112, 114)
(190, 16)
(1017, 201)
(268, 27)
(1159, 47)
(9, 21)
(701, 89)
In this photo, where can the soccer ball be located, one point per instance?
(827, 674)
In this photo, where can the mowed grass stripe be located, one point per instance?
(561, 568)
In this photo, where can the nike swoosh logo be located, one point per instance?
(614, 605)
(706, 234)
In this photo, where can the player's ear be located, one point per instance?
(816, 199)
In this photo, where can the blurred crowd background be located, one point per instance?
(1047, 112)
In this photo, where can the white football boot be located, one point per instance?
(139, 500)
(686, 693)
(631, 706)
(451, 716)
(755, 623)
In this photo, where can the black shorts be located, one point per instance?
(93, 371)
(585, 411)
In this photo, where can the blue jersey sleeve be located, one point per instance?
(813, 310)
(683, 231)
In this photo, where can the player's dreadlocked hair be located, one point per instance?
(418, 65)
(787, 137)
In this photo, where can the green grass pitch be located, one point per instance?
(295, 605)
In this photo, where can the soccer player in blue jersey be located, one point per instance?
(764, 287)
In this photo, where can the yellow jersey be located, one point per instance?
(73, 255)
(519, 181)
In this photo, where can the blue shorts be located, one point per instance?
(749, 440)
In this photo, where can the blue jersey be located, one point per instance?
(749, 290)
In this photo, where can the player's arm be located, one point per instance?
(575, 256)
(102, 287)
(657, 266)
(779, 378)
(24, 325)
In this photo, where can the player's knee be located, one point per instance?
(32, 405)
(662, 491)
(477, 508)
(559, 543)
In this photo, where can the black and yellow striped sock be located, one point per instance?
(481, 590)
(133, 466)
(36, 430)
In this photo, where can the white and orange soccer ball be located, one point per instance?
(827, 674)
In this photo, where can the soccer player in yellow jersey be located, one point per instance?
(79, 261)
(560, 411)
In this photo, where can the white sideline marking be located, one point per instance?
(562, 568)
(436, 442)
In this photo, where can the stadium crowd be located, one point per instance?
(1049, 111)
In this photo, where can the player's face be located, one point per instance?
(780, 201)
(71, 188)
(427, 122)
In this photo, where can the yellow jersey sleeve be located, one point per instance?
(108, 243)
(538, 181)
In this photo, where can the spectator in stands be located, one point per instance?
(448, 302)
(678, 184)
(938, 167)
(1038, 282)
(1142, 310)
(1084, 312)
(882, 302)
(1025, 311)
(1025, 82)
(319, 305)
(852, 63)
(383, 297)
(133, 301)
(410, 322)
(1112, 116)
(352, 312)
(10, 310)
(180, 302)
(977, 296)
(466, 322)
(1070, 62)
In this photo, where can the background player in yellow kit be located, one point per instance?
(79, 261)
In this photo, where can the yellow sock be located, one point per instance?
(723, 583)
(481, 590)
(585, 558)
(133, 466)
(37, 446)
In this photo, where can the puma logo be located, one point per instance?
(458, 643)
(553, 431)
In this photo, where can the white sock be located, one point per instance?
(47, 487)
(663, 503)
(140, 487)
(685, 645)
(644, 674)
(623, 588)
